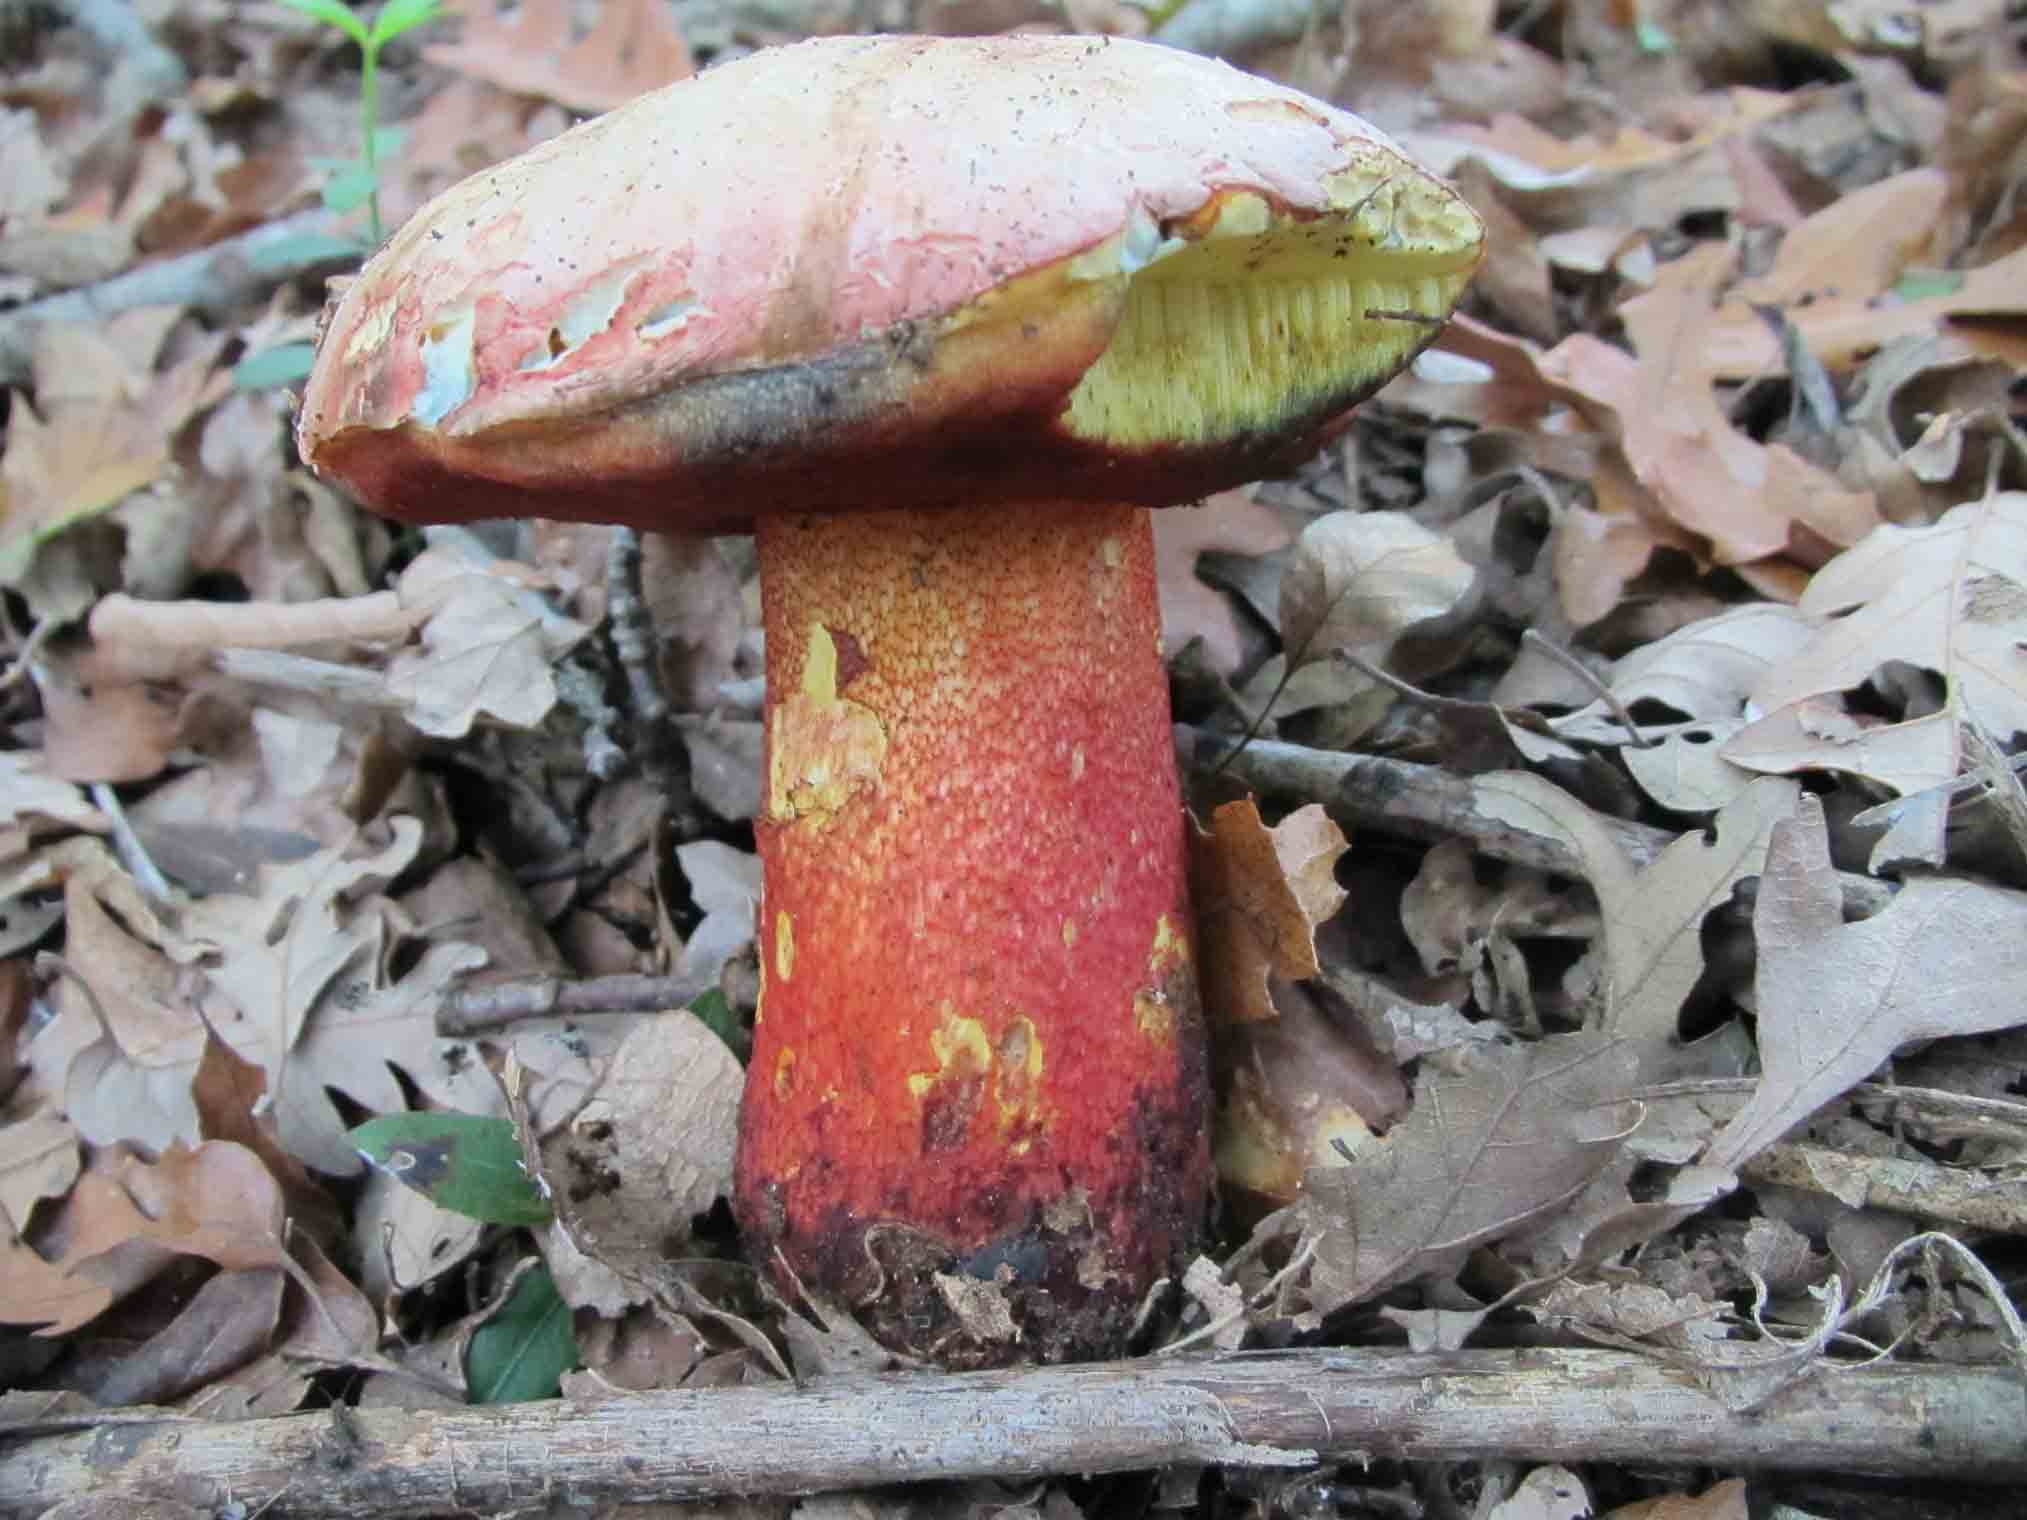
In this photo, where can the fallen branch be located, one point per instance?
(1267, 1409)
(218, 279)
(1429, 803)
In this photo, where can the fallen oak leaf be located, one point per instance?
(1835, 1000)
(1260, 894)
(1506, 1136)
(126, 1218)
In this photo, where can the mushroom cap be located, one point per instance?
(865, 272)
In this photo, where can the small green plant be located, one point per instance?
(348, 182)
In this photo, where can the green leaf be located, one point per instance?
(523, 1351)
(284, 364)
(719, 1018)
(387, 142)
(466, 1163)
(305, 250)
(398, 16)
(331, 13)
(350, 187)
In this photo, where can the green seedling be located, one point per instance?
(348, 182)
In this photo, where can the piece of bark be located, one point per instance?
(1265, 1409)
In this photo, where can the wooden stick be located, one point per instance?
(1264, 1409)
(1430, 803)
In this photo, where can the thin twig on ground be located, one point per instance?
(473, 1010)
(1429, 803)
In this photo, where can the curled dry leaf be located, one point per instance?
(652, 1147)
(488, 647)
(126, 1218)
(1359, 580)
(1260, 893)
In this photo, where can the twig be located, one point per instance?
(226, 276)
(1427, 802)
(133, 854)
(471, 1010)
(31, 646)
(1265, 1409)
(1589, 677)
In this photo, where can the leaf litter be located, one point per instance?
(1667, 609)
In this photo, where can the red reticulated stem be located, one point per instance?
(979, 1056)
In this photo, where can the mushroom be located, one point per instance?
(939, 319)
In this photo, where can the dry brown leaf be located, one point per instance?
(1982, 309)
(296, 984)
(1835, 1000)
(1506, 1135)
(1951, 598)
(38, 1160)
(1359, 580)
(226, 1324)
(1723, 1501)
(1292, 1090)
(100, 428)
(1652, 918)
(1855, 248)
(1706, 669)
(651, 1149)
(411, 1241)
(488, 647)
(34, 803)
(1546, 1493)
(102, 724)
(1747, 500)
(1448, 913)
(325, 1322)
(125, 1042)
(125, 1219)
(1260, 893)
(634, 46)
(1231, 522)
(1823, 734)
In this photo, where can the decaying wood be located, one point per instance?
(1266, 1409)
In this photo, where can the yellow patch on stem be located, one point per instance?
(961, 1048)
(784, 946)
(822, 749)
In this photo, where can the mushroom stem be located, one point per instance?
(979, 1052)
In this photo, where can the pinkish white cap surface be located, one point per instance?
(877, 271)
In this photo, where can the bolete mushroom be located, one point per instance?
(940, 319)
